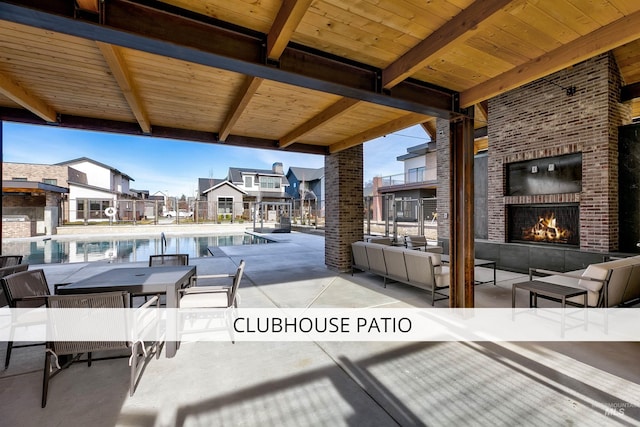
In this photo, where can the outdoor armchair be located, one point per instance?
(216, 297)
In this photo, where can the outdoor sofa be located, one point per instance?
(608, 284)
(423, 270)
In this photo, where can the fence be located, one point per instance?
(396, 217)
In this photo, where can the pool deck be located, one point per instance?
(332, 383)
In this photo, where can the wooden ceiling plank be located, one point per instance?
(456, 29)
(336, 110)
(19, 95)
(378, 131)
(90, 5)
(430, 128)
(286, 22)
(600, 41)
(121, 73)
(246, 92)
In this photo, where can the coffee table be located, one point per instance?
(477, 262)
(550, 291)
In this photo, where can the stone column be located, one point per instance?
(344, 206)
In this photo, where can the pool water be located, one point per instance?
(120, 248)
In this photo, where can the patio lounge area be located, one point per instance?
(333, 383)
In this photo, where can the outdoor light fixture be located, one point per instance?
(534, 169)
(551, 167)
(571, 90)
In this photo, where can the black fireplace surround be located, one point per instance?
(547, 224)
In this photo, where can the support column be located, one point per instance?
(344, 206)
(461, 249)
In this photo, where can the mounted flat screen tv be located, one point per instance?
(547, 175)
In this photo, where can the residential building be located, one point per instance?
(307, 184)
(95, 188)
(235, 196)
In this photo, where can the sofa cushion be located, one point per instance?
(594, 271)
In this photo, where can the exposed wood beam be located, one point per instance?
(288, 18)
(336, 110)
(378, 131)
(481, 112)
(286, 22)
(127, 128)
(457, 29)
(245, 93)
(120, 72)
(630, 92)
(90, 5)
(19, 95)
(609, 37)
(430, 128)
(201, 40)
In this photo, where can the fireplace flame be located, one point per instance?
(547, 230)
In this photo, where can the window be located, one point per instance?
(51, 181)
(248, 181)
(416, 174)
(269, 182)
(91, 209)
(225, 205)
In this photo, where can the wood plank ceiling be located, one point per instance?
(315, 76)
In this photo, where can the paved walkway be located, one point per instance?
(333, 383)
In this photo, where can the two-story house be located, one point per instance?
(235, 196)
(419, 181)
(96, 187)
(306, 187)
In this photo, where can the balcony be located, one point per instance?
(409, 180)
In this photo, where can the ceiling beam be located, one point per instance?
(430, 128)
(607, 38)
(202, 40)
(287, 20)
(378, 131)
(630, 92)
(120, 72)
(127, 128)
(457, 29)
(19, 95)
(245, 93)
(336, 110)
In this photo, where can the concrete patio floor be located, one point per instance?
(332, 383)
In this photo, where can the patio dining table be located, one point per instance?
(139, 281)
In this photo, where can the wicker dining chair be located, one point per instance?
(75, 349)
(20, 288)
(8, 260)
(168, 259)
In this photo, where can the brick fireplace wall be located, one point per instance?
(540, 120)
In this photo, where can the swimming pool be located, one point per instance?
(120, 248)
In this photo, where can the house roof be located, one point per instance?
(314, 77)
(223, 183)
(10, 186)
(87, 159)
(417, 150)
(236, 174)
(206, 183)
(306, 174)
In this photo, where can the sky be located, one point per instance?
(158, 164)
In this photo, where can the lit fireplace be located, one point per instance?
(550, 224)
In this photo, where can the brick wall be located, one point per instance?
(442, 138)
(541, 120)
(344, 206)
(35, 173)
(13, 229)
